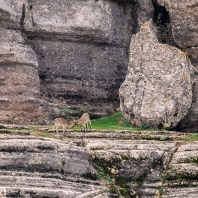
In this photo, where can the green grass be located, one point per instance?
(160, 191)
(163, 138)
(45, 135)
(114, 122)
(67, 110)
(193, 138)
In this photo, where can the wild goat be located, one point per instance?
(83, 121)
(62, 122)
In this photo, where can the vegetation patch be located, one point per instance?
(70, 111)
(63, 162)
(115, 122)
(164, 178)
(160, 191)
(144, 126)
(193, 138)
(45, 135)
(118, 185)
(163, 138)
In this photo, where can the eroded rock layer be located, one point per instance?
(98, 164)
(37, 167)
(81, 48)
(20, 101)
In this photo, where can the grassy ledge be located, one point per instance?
(115, 122)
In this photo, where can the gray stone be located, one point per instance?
(183, 17)
(12, 13)
(98, 21)
(145, 11)
(39, 167)
(158, 87)
(20, 101)
(33, 166)
(82, 49)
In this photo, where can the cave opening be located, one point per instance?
(162, 21)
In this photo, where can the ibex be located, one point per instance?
(83, 121)
(62, 122)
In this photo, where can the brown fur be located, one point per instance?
(83, 121)
(62, 122)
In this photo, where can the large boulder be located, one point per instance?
(184, 21)
(157, 90)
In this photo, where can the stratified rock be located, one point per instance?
(40, 167)
(183, 172)
(184, 21)
(98, 164)
(157, 89)
(20, 101)
(183, 15)
(82, 49)
(18, 65)
(143, 167)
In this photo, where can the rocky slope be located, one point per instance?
(97, 164)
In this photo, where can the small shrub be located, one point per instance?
(113, 189)
(165, 33)
(144, 126)
(164, 178)
(63, 162)
(62, 171)
(160, 191)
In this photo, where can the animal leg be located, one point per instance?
(57, 126)
(90, 125)
(63, 130)
(86, 125)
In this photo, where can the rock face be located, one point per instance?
(157, 89)
(98, 165)
(183, 16)
(37, 167)
(20, 84)
(149, 168)
(81, 48)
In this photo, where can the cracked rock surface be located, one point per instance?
(98, 164)
(158, 88)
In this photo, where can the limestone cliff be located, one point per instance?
(76, 53)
